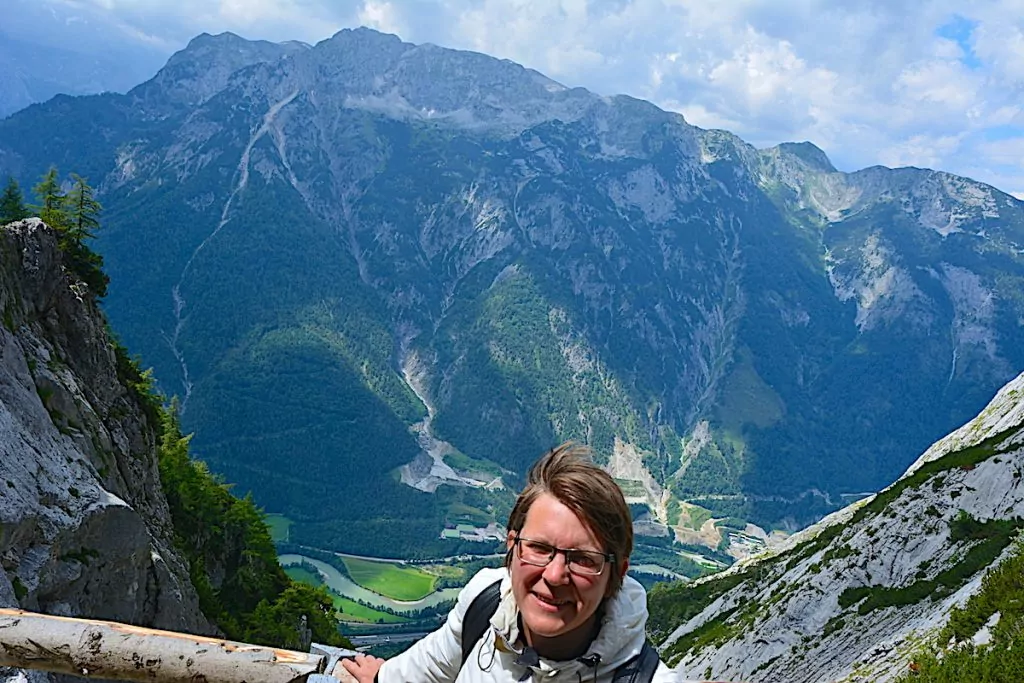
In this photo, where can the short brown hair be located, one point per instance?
(569, 474)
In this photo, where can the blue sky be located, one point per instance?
(931, 83)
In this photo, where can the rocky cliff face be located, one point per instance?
(84, 525)
(852, 597)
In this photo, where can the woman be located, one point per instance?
(566, 610)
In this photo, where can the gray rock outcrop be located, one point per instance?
(84, 525)
(853, 597)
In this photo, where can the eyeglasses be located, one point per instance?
(579, 562)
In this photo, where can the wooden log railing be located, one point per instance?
(109, 650)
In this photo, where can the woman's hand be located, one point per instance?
(363, 668)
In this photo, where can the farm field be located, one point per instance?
(352, 611)
(389, 580)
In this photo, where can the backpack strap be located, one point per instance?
(639, 669)
(478, 617)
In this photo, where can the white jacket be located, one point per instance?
(436, 658)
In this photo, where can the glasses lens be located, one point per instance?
(535, 552)
(583, 562)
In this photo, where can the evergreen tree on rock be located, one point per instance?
(82, 209)
(51, 200)
(74, 217)
(12, 204)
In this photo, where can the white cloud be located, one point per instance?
(1008, 152)
(1000, 45)
(382, 16)
(925, 151)
(943, 83)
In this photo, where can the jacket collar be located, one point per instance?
(620, 637)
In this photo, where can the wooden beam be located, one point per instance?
(109, 650)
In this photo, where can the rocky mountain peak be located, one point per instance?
(937, 201)
(809, 153)
(203, 68)
(367, 38)
(380, 72)
(227, 45)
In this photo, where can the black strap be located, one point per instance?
(639, 669)
(478, 617)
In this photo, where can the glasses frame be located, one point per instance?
(608, 557)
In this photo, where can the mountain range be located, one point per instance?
(382, 278)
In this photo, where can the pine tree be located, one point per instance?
(12, 204)
(73, 216)
(51, 201)
(81, 209)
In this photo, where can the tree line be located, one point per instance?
(232, 561)
(73, 214)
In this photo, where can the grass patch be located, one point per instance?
(713, 632)
(19, 588)
(389, 580)
(299, 572)
(696, 516)
(747, 398)
(632, 488)
(678, 603)
(354, 612)
(445, 571)
(994, 537)
(675, 511)
(464, 464)
(460, 513)
(280, 528)
(1002, 660)
(350, 609)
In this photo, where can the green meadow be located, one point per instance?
(353, 611)
(392, 581)
(279, 526)
(299, 573)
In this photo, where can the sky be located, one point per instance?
(928, 83)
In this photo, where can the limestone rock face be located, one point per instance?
(851, 597)
(84, 525)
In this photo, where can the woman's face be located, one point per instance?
(552, 601)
